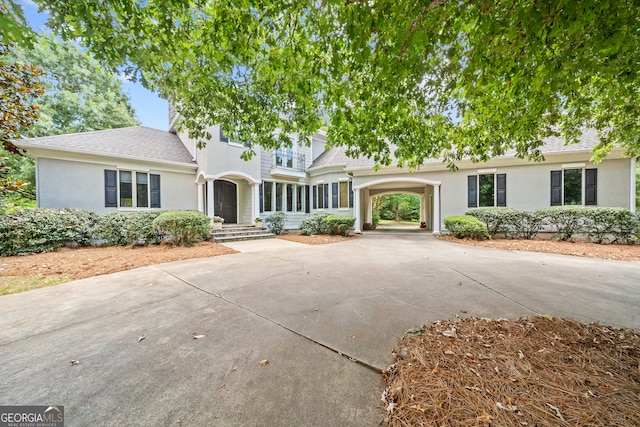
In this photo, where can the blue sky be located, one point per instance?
(151, 110)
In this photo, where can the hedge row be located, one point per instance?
(615, 225)
(322, 223)
(41, 230)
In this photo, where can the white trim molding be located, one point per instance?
(228, 175)
(632, 185)
(397, 179)
(573, 165)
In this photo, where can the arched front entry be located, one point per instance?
(225, 203)
(428, 190)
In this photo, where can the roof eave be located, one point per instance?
(27, 146)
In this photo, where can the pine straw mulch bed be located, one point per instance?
(534, 371)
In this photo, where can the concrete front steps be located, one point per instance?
(239, 232)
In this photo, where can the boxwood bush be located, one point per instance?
(314, 224)
(183, 227)
(466, 226)
(339, 224)
(127, 228)
(40, 230)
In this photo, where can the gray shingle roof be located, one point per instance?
(137, 141)
(337, 155)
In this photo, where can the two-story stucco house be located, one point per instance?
(142, 168)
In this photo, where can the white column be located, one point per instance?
(632, 185)
(356, 210)
(436, 209)
(256, 203)
(210, 210)
(200, 197)
(368, 206)
(423, 209)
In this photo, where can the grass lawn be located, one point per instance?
(15, 284)
(391, 222)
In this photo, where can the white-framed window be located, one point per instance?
(282, 196)
(574, 185)
(131, 189)
(321, 196)
(487, 188)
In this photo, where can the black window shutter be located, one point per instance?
(155, 190)
(307, 208)
(556, 188)
(350, 194)
(501, 187)
(223, 138)
(261, 198)
(472, 191)
(334, 195)
(110, 188)
(591, 187)
(326, 196)
(315, 196)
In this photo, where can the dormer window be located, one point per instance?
(284, 157)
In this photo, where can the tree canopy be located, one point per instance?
(394, 78)
(79, 95)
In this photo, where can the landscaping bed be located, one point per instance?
(536, 371)
(578, 248)
(24, 272)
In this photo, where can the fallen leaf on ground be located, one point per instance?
(198, 336)
(264, 362)
(75, 362)
(141, 337)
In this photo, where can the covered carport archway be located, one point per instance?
(365, 189)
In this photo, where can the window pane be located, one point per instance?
(289, 197)
(487, 190)
(289, 157)
(300, 198)
(279, 187)
(142, 193)
(279, 157)
(320, 196)
(268, 196)
(126, 190)
(344, 194)
(572, 186)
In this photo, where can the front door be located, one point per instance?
(225, 201)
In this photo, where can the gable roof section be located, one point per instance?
(337, 155)
(133, 142)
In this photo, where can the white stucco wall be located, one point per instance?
(77, 184)
(218, 157)
(329, 177)
(528, 184)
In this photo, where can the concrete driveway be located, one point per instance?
(325, 317)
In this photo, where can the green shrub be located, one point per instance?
(466, 226)
(617, 224)
(375, 219)
(275, 222)
(128, 228)
(513, 223)
(40, 230)
(314, 224)
(339, 224)
(565, 220)
(183, 227)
